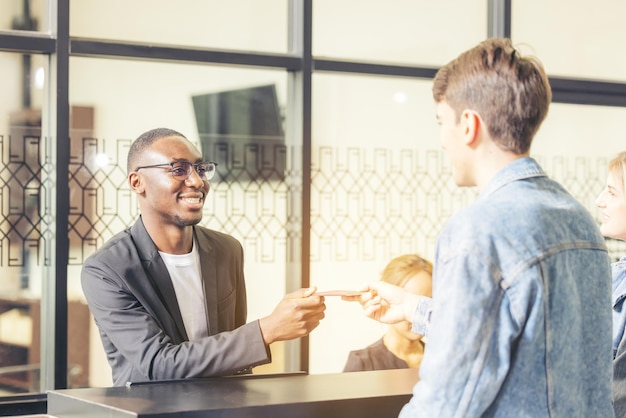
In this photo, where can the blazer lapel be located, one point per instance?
(158, 275)
(208, 271)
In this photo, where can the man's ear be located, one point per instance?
(135, 181)
(471, 124)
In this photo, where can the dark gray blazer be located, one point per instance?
(132, 299)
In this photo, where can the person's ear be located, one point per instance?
(135, 181)
(471, 124)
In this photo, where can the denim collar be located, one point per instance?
(619, 283)
(519, 169)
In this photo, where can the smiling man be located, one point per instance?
(168, 296)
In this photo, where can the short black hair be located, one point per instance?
(144, 141)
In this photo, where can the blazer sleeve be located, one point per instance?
(140, 337)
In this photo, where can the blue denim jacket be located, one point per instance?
(619, 340)
(619, 308)
(521, 319)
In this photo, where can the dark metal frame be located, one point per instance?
(62, 132)
(299, 61)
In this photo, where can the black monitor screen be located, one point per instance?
(242, 130)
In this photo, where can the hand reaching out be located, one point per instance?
(295, 316)
(386, 303)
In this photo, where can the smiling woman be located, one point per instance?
(612, 200)
(612, 204)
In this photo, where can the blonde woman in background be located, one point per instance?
(612, 205)
(399, 348)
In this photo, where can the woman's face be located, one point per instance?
(612, 205)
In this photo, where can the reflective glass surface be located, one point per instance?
(574, 38)
(381, 187)
(24, 228)
(404, 31)
(259, 25)
(24, 15)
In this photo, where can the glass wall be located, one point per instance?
(574, 38)
(381, 187)
(25, 229)
(252, 25)
(24, 15)
(354, 142)
(403, 31)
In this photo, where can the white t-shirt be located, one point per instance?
(184, 270)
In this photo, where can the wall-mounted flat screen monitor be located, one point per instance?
(242, 130)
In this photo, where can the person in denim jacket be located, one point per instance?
(612, 204)
(519, 324)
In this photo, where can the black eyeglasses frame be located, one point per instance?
(208, 174)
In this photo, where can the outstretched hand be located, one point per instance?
(385, 302)
(295, 316)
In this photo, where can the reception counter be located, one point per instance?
(376, 394)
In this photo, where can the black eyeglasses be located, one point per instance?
(181, 170)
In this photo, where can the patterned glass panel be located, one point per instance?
(26, 221)
(101, 203)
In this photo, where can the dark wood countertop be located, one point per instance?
(376, 394)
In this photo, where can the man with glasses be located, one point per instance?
(169, 296)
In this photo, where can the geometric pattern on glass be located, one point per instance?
(375, 204)
(248, 198)
(100, 200)
(20, 197)
(372, 204)
(366, 204)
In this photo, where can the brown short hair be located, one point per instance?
(510, 92)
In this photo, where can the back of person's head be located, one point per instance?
(399, 270)
(144, 141)
(510, 92)
(617, 166)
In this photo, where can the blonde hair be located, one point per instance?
(402, 268)
(617, 166)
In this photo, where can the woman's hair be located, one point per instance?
(402, 268)
(617, 166)
(510, 92)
